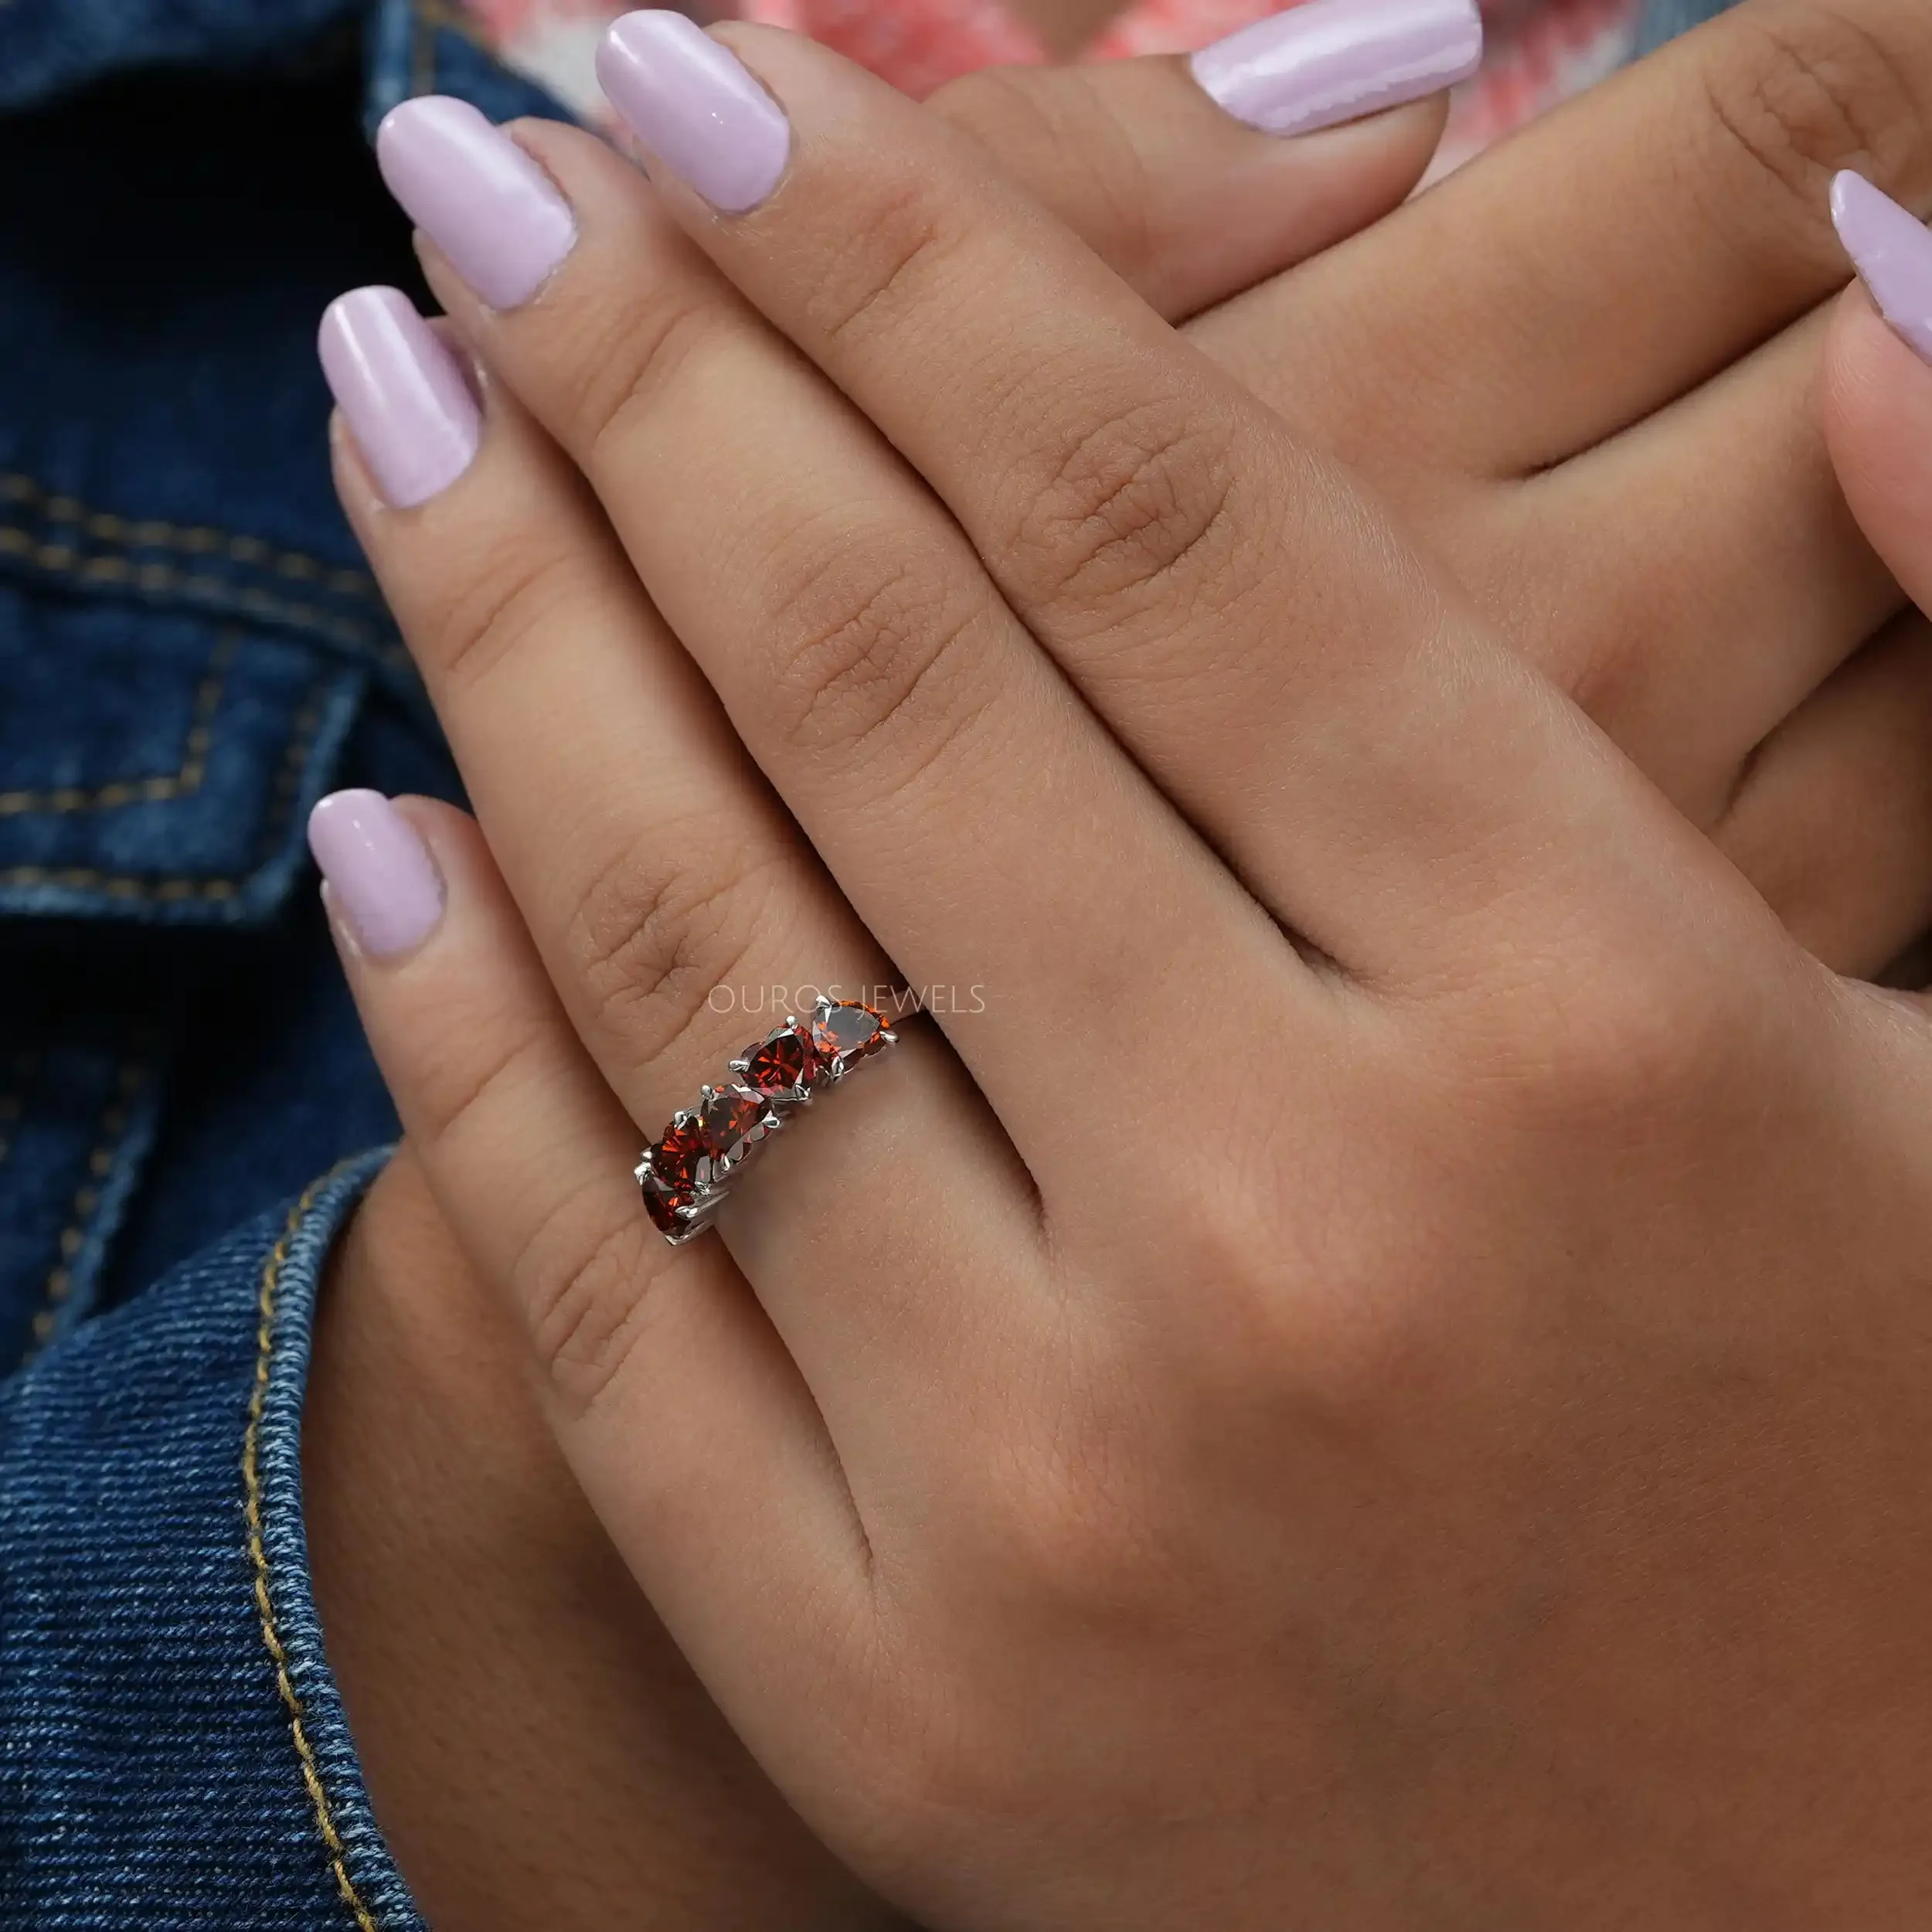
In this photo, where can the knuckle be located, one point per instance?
(1138, 510)
(1807, 88)
(512, 589)
(659, 928)
(629, 353)
(1611, 1045)
(886, 267)
(1074, 1518)
(451, 1093)
(999, 107)
(872, 660)
(583, 1284)
(1058, 133)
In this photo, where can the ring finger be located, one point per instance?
(651, 866)
(937, 759)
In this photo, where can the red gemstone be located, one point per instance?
(675, 1158)
(729, 1116)
(661, 1206)
(847, 1031)
(784, 1064)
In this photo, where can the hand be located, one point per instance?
(1584, 368)
(1382, 1518)
(537, 1750)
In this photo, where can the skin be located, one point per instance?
(845, 1155)
(583, 1779)
(538, 1751)
(1066, 25)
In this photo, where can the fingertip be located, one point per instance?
(384, 888)
(1329, 61)
(1875, 403)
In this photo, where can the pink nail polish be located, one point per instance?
(1892, 250)
(402, 393)
(1330, 61)
(379, 873)
(476, 195)
(695, 107)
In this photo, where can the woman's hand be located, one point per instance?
(1291, 1403)
(1584, 369)
(537, 1751)
(536, 1748)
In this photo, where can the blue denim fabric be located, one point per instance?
(190, 653)
(190, 650)
(173, 1753)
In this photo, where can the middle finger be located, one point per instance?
(938, 761)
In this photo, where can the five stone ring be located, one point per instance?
(686, 1175)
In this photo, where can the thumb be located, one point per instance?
(1188, 204)
(1876, 385)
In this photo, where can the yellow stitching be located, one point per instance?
(127, 792)
(86, 1201)
(422, 51)
(164, 892)
(65, 560)
(439, 13)
(196, 539)
(258, 1560)
(301, 746)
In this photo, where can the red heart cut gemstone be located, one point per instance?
(848, 1031)
(783, 1065)
(729, 1119)
(661, 1206)
(675, 1158)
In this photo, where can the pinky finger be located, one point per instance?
(707, 1459)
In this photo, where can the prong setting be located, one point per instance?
(684, 1176)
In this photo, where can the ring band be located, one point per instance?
(686, 1176)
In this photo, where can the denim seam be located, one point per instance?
(423, 75)
(65, 560)
(111, 1139)
(265, 1308)
(307, 723)
(198, 539)
(180, 784)
(433, 17)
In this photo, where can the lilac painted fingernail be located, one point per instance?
(476, 195)
(402, 393)
(379, 873)
(1892, 250)
(695, 107)
(1335, 60)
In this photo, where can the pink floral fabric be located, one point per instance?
(1539, 52)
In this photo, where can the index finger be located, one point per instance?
(1247, 623)
(1632, 242)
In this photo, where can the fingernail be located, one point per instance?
(1891, 250)
(379, 872)
(402, 393)
(695, 107)
(476, 195)
(1335, 60)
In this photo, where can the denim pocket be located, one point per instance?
(172, 701)
(156, 760)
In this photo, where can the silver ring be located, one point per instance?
(685, 1175)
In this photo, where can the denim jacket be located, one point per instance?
(191, 653)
